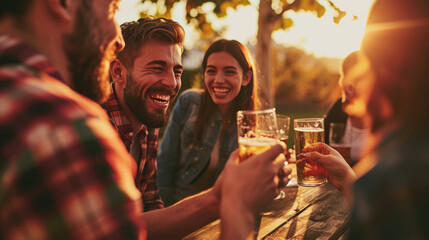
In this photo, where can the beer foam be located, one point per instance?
(261, 141)
(309, 129)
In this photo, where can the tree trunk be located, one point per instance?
(263, 53)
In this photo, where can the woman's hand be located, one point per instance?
(339, 172)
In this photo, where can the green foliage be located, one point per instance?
(310, 6)
(192, 78)
(197, 16)
(284, 23)
(300, 78)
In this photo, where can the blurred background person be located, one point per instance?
(347, 109)
(388, 187)
(202, 132)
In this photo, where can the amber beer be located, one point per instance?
(344, 150)
(339, 140)
(309, 173)
(252, 146)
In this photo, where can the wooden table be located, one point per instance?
(304, 213)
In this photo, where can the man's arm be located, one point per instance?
(239, 194)
(186, 216)
(247, 188)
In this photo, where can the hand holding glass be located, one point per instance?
(308, 131)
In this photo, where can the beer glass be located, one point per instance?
(257, 131)
(283, 123)
(339, 140)
(308, 131)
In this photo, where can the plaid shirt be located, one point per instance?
(146, 174)
(64, 172)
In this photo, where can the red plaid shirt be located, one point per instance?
(146, 174)
(64, 172)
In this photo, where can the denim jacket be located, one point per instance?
(179, 161)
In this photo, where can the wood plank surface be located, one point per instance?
(304, 213)
(324, 218)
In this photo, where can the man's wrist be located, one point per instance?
(214, 202)
(237, 221)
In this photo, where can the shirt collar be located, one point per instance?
(13, 50)
(118, 117)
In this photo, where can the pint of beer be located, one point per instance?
(308, 131)
(257, 132)
(251, 146)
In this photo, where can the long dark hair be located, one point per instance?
(245, 100)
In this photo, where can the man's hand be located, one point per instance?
(247, 187)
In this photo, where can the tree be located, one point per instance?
(302, 79)
(272, 16)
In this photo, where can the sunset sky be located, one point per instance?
(321, 36)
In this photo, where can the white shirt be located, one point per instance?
(359, 138)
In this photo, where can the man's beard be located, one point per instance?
(88, 54)
(137, 104)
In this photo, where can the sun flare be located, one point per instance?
(320, 36)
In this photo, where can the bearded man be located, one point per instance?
(146, 77)
(64, 172)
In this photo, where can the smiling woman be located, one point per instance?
(202, 132)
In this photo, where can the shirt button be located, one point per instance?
(196, 159)
(130, 134)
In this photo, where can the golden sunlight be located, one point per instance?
(320, 36)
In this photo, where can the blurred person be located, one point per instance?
(388, 187)
(146, 77)
(64, 171)
(202, 131)
(346, 109)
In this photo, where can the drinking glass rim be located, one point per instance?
(283, 116)
(307, 119)
(269, 110)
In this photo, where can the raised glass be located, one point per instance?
(308, 131)
(257, 131)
